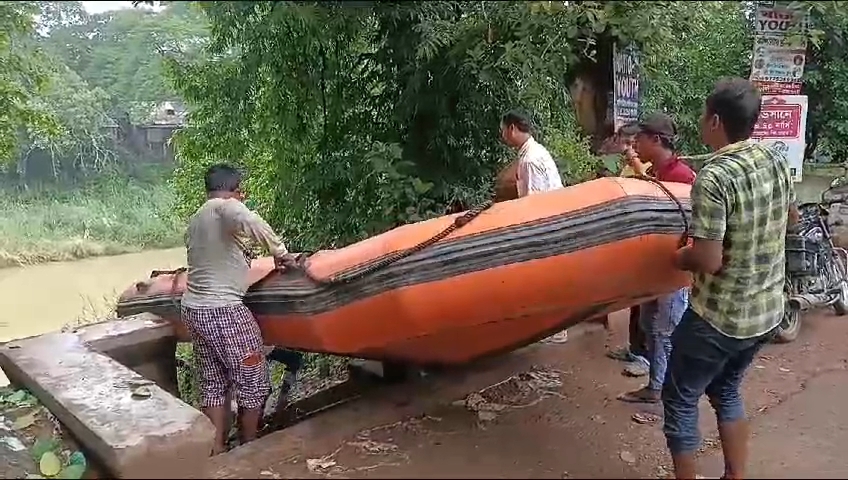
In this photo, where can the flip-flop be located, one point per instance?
(637, 397)
(644, 418)
(622, 354)
(557, 338)
(636, 369)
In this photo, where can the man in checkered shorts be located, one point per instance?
(226, 337)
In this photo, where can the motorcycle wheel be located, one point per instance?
(840, 306)
(790, 327)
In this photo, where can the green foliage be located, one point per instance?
(109, 215)
(21, 79)
(714, 40)
(826, 80)
(60, 80)
(356, 117)
(121, 51)
(80, 142)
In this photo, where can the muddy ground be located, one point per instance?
(550, 411)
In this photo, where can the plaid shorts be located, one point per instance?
(228, 346)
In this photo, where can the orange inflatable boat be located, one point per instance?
(513, 274)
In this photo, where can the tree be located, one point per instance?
(715, 42)
(826, 79)
(21, 79)
(80, 144)
(395, 105)
(121, 51)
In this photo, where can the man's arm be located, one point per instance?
(530, 178)
(241, 220)
(707, 229)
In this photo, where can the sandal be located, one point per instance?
(557, 338)
(645, 418)
(639, 396)
(639, 368)
(621, 354)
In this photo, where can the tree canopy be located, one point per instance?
(353, 117)
(65, 75)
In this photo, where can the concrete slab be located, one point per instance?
(144, 343)
(91, 394)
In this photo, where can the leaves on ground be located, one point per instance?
(77, 458)
(24, 421)
(42, 446)
(50, 465)
(17, 399)
(49, 452)
(72, 472)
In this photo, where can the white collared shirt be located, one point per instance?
(537, 171)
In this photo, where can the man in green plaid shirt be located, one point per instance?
(741, 203)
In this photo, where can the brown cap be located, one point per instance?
(659, 124)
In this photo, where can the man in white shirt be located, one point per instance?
(536, 170)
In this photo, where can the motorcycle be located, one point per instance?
(816, 269)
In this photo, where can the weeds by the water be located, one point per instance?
(109, 216)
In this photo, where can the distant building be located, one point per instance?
(149, 136)
(164, 120)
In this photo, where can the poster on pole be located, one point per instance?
(625, 67)
(783, 126)
(780, 46)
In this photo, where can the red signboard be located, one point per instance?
(778, 121)
(777, 88)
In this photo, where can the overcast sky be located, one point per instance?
(100, 7)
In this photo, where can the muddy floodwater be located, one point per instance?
(43, 298)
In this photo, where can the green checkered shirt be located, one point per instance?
(741, 198)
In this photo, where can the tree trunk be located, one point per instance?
(590, 92)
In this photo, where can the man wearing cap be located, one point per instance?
(655, 143)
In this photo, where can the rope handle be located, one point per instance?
(684, 237)
(459, 222)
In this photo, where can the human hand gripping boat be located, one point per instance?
(453, 289)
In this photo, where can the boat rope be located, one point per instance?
(458, 223)
(684, 238)
(351, 275)
(345, 277)
(175, 281)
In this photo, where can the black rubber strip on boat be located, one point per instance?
(594, 226)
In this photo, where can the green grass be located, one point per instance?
(109, 216)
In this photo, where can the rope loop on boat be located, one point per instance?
(355, 274)
(684, 237)
(174, 281)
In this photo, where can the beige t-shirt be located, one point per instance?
(216, 252)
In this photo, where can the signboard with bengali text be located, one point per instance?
(779, 51)
(783, 124)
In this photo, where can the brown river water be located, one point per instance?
(43, 298)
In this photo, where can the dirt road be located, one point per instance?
(554, 414)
